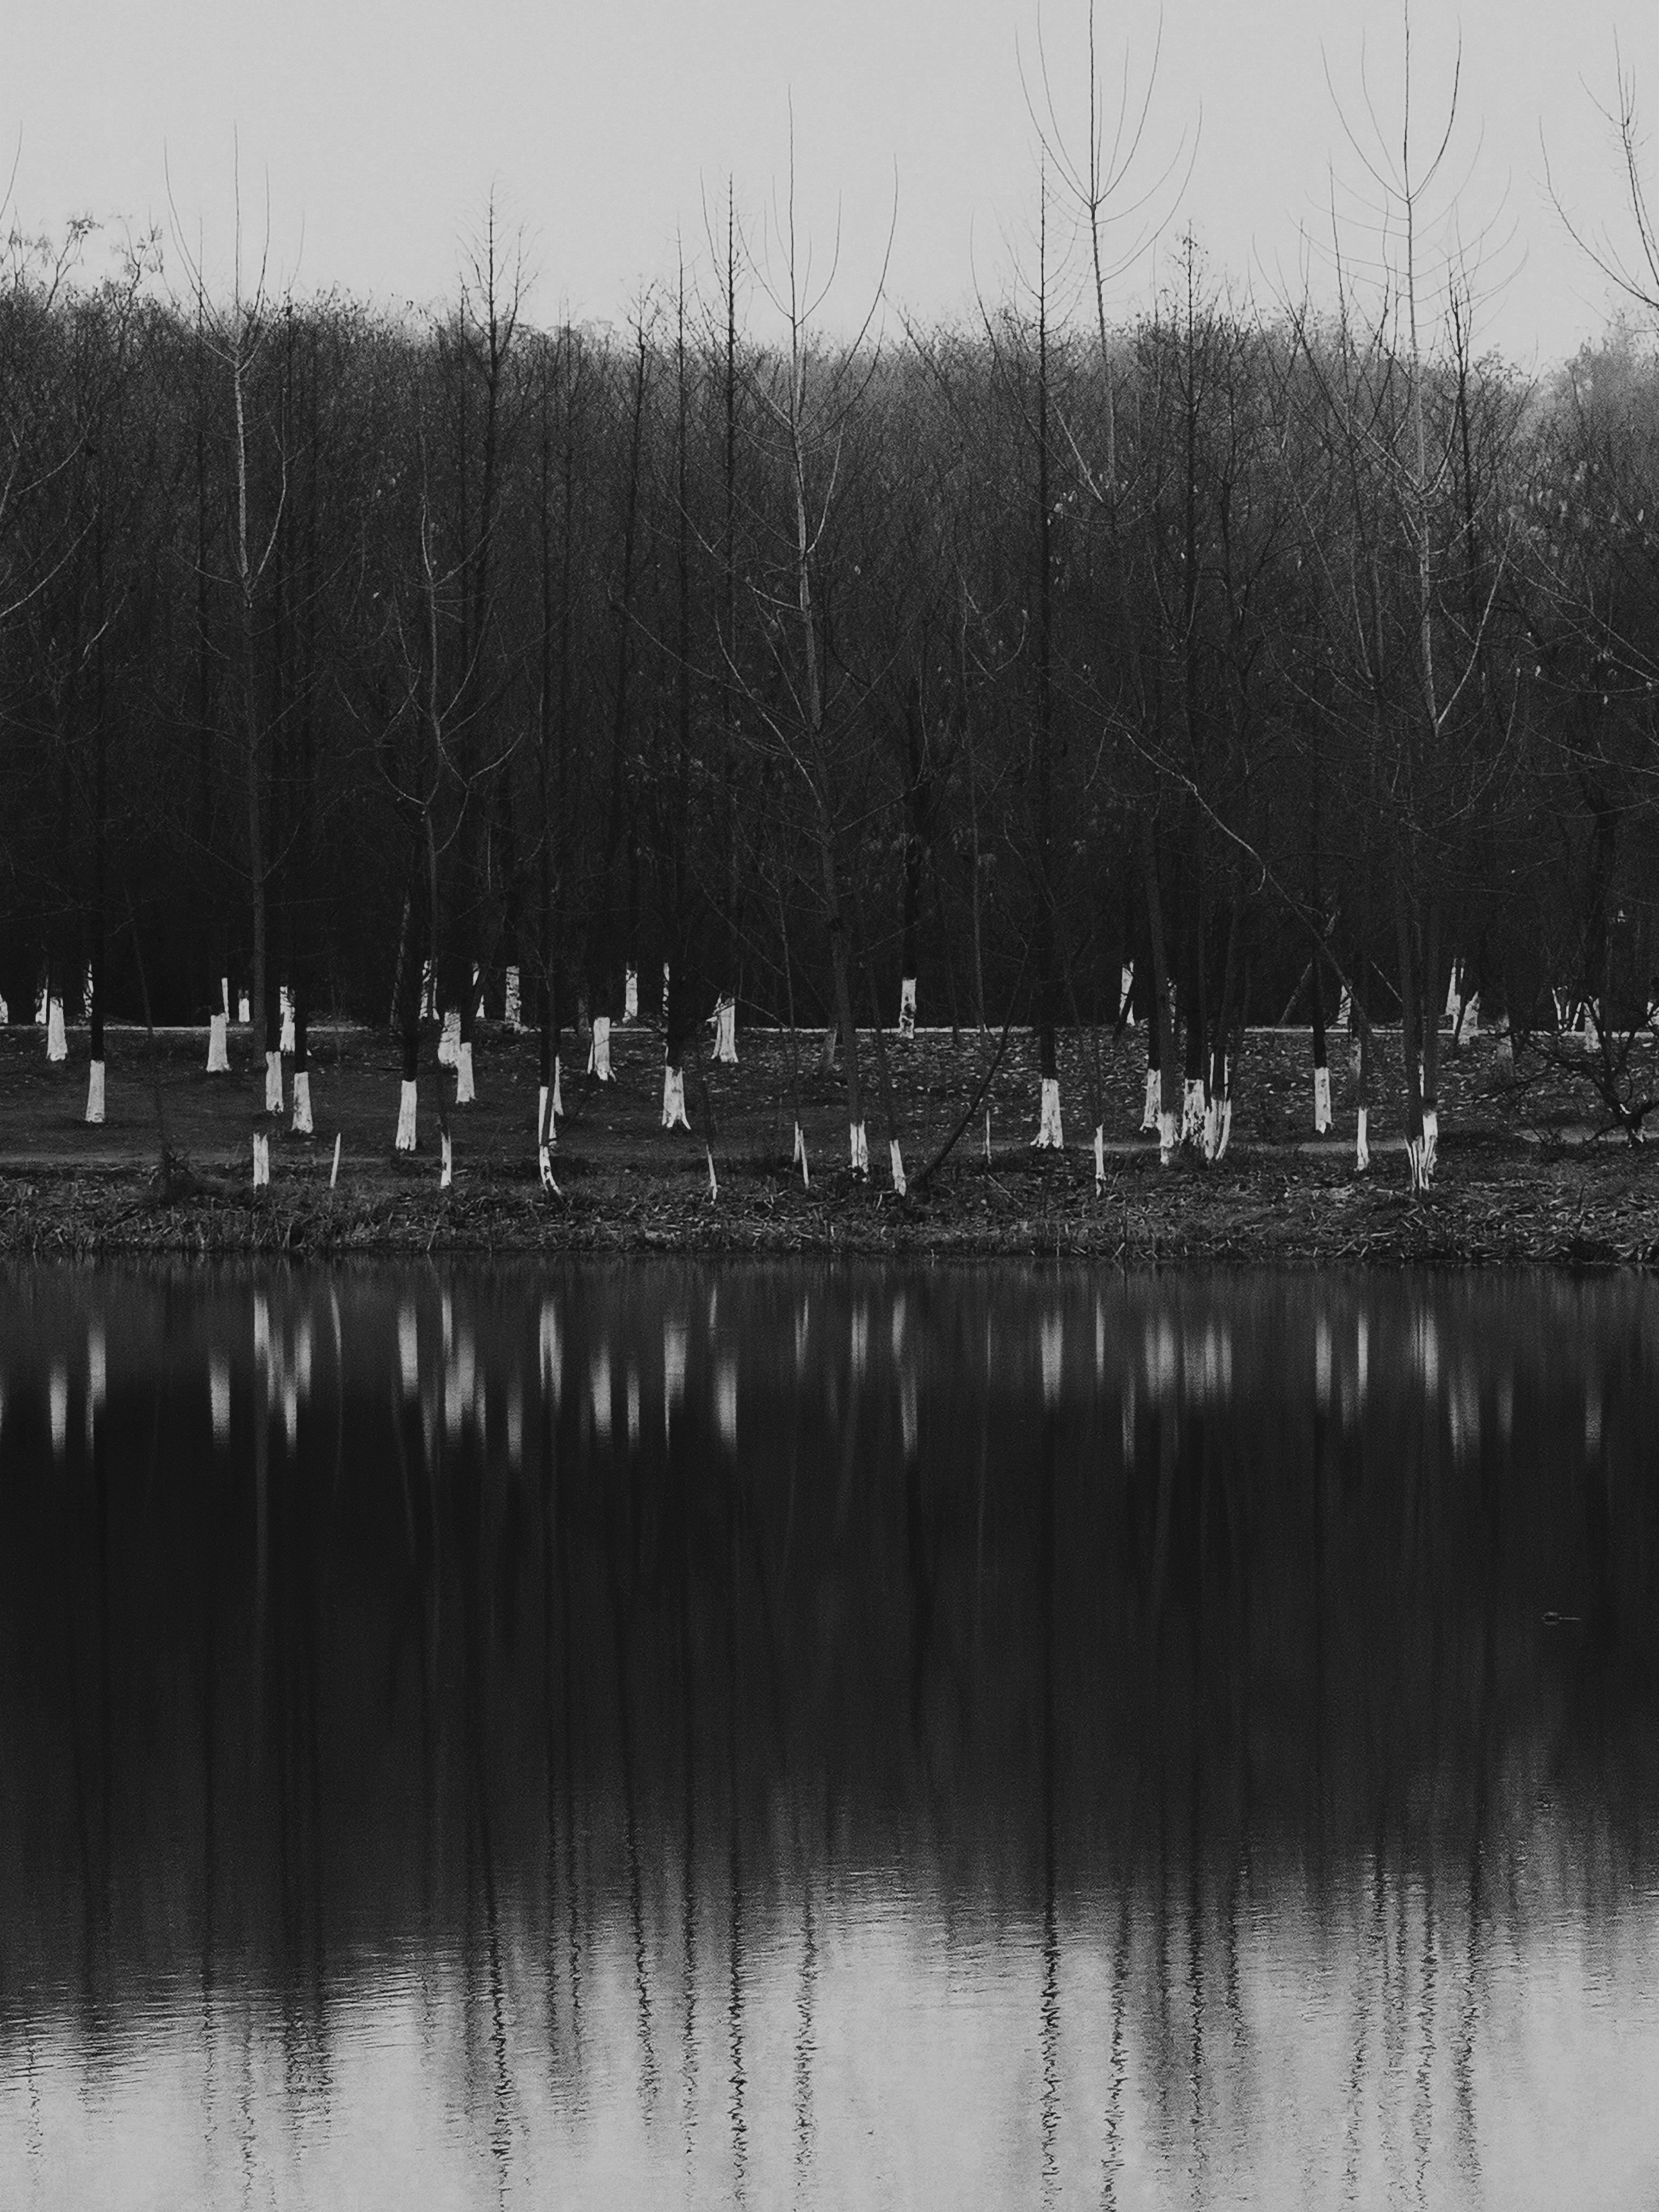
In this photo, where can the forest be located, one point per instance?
(1208, 666)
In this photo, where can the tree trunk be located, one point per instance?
(916, 810)
(1158, 1054)
(1432, 1001)
(253, 750)
(889, 1107)
(97, 925)
(1362, 1018)
(1192, 1096)
(1320, 1060)
(821, 787)
(1044, 946)
(1410, 1021)
(1218, 1113)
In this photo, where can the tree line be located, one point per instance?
(1203, 667)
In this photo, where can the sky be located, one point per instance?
(378, 132)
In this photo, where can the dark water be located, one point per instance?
(823, 1736)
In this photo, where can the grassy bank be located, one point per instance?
(1522, 1179)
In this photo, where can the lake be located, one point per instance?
(829, 1736)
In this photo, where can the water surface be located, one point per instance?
(800, 1735)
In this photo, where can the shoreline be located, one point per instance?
(1273, 1209)
(1521, 1180)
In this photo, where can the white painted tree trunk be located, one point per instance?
(598, 1051)
(512, 1001)
(558, 1098)
(40, 1008)
(334, 1172)
(1471, 1023)
(898, 1167)
(244, 1012)
(799, 1156)
(1592, 1035)
(1169, 1136)
(1125, 985)
(224, 996)
(301, 1123)
(1192, 1111)
(726, 1032)
(1100, 1156)
(714, 1185)
(544, 1167)
(1153, 1111)
(285, 998)
(1417, 1163)
(57, 1042)
(261, 1161)
(273, 1082)
(465, 1093)
(1345, 1009)
(907, 1022)
(858, 1148)
(95, 1092)
(1224, 1129)
(449, 1043)
(1361, 1150)
(1322, 1100)
(674, 1115)
(1430, 1142)
(1212, 1128)
(406, 1097)
(631, 994)
(1454, 992)
(1047, 1137)
(218, 1046)
(447, 1161)
(543, 1128)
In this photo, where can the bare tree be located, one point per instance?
(808, 396)
(236, 335)
(1412, 646)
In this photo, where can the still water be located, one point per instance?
(815, 1735)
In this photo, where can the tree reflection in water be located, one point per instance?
(823, 1733)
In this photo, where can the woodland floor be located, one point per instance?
(1525, 1173)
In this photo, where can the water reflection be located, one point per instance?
(824, 1735)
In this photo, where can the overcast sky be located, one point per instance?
(380, 127)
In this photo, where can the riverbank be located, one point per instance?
(1520, 1180)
